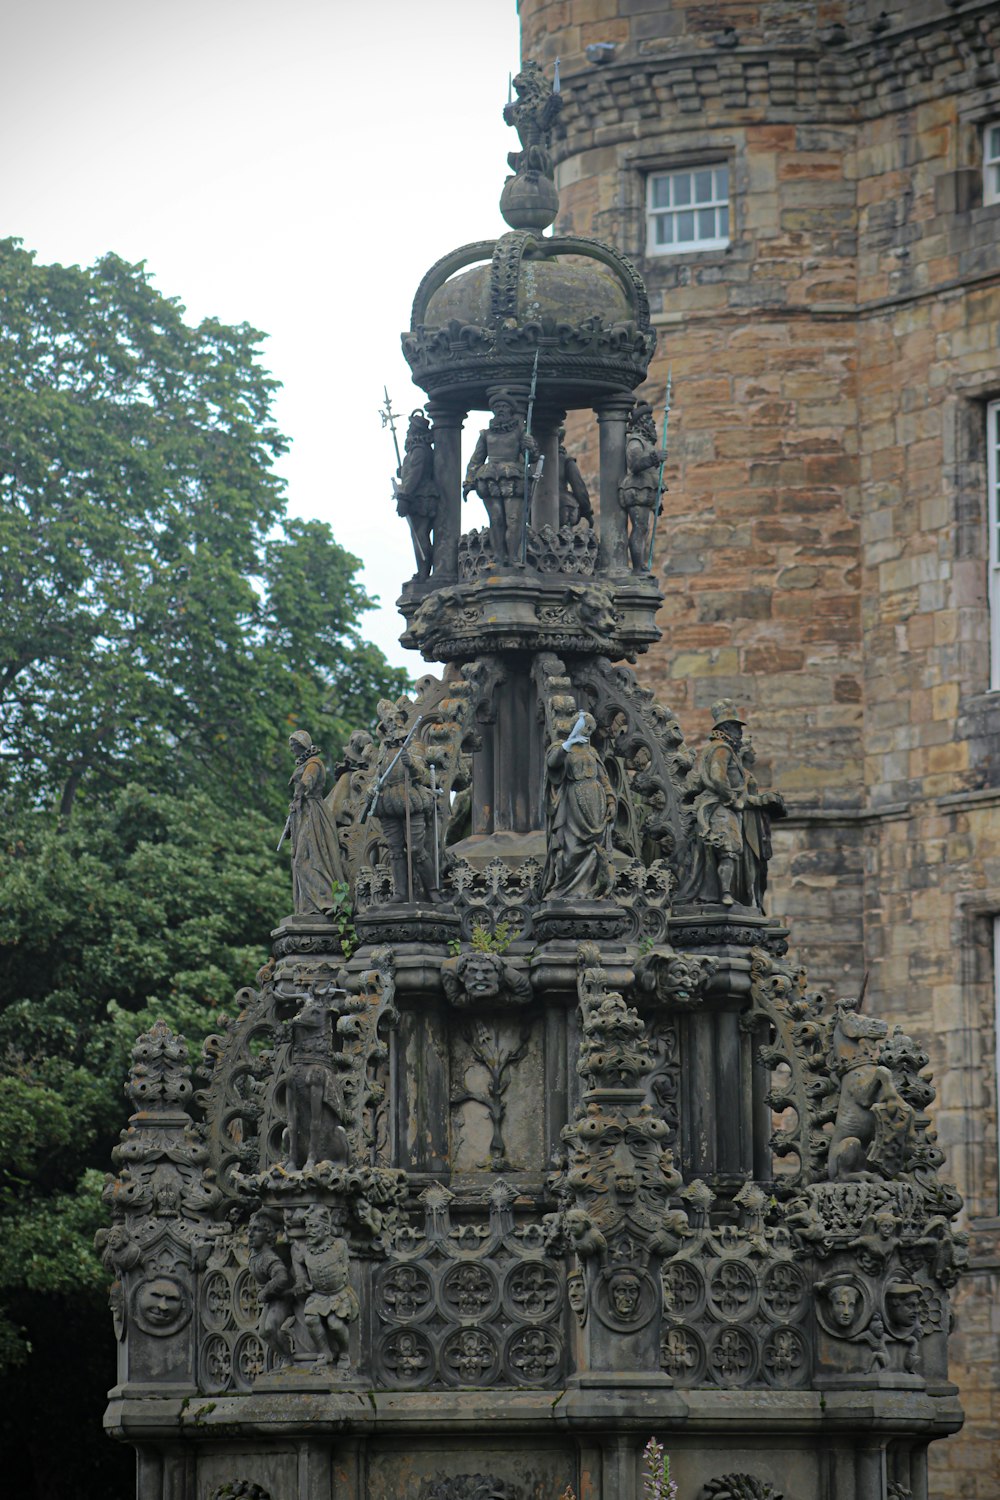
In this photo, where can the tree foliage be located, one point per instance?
(164, 626)
(160, 617)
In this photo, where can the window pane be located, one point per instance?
(993, 181)
(706, 223)
(685, 226)
(993, 144)
(664, 229)
(703, 187)
(722, 182)
(682, 188)
(660, 192)
(722, 223)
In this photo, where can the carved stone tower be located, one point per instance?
(544, 1147)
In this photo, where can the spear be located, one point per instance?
(389, 420)
(527, 458)
(659, 485)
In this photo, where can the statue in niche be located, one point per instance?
(580, 807)
(496, 473)
(314, 1090)
(731, 817)
(322, 1275)
(274, 1286)
(417, 494)
(574, 497)
(873, 1131)
(316, 857)
(639, 489)
(404, 804)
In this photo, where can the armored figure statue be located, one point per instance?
(496, 473)
(274, 1286)
(322, 1268)
(404, 805)
(417, 494)
(638, 492)
(731, 817)
(313, 1089)
(574, 498)
(873, 1130)
(316, 859)
(580, 813)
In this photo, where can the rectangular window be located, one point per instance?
(991, 162)
(993, 521)
(687, 210)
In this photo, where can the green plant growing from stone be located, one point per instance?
(497, 941)
(341, 915)
(656, 1481)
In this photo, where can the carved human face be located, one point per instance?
(625, 1295)
(260, 1235)
(576, 1289)
(844, 1305)
(160, 1303)
(480, 975)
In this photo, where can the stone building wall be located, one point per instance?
(823, 542)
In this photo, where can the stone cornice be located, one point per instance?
(782, 83)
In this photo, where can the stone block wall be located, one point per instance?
(823, 542)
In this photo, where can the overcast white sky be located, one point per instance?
(295, 165)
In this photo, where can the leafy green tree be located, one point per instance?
(160, 619)
(164, 626)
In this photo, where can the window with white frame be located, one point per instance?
(991, 162)
(687, 209)
(993, 515)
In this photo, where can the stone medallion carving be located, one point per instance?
(625, 1298)
(161, 1306)
(406, 1358)
(469, 1356)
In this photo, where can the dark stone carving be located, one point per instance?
(417, 494)
(483, 979)
(496, 472)
(161, 1306)
(274, 1281)
(529, 199)
(873, 1130)
(574, 497)
(731, 819)
(321, 1268)
(317, 1109)
(740, 1487)
(488, 1054)
(240, 1489)
(471, 1487)
(404, 802)
(638, 492)
(580, 808)
(316, 860)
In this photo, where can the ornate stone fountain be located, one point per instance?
(548, 1147)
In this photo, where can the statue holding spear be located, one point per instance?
(641, 487)
(416, 492)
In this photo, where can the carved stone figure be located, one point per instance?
(316, 859)
(483, 979)
(417, 494)
(405, 807)
(496, 473)
(529, 199)
(274, 1286)
(322, 1268)
(731, 817)
(314, 1090)
(580, 808)
(873, 1130)
(638, 489)
(574, 497)
(161, 1305)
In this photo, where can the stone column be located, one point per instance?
(545, 509)
(612, 412)
(448, 420)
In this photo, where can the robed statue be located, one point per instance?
(316, 857)
(580, 807)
